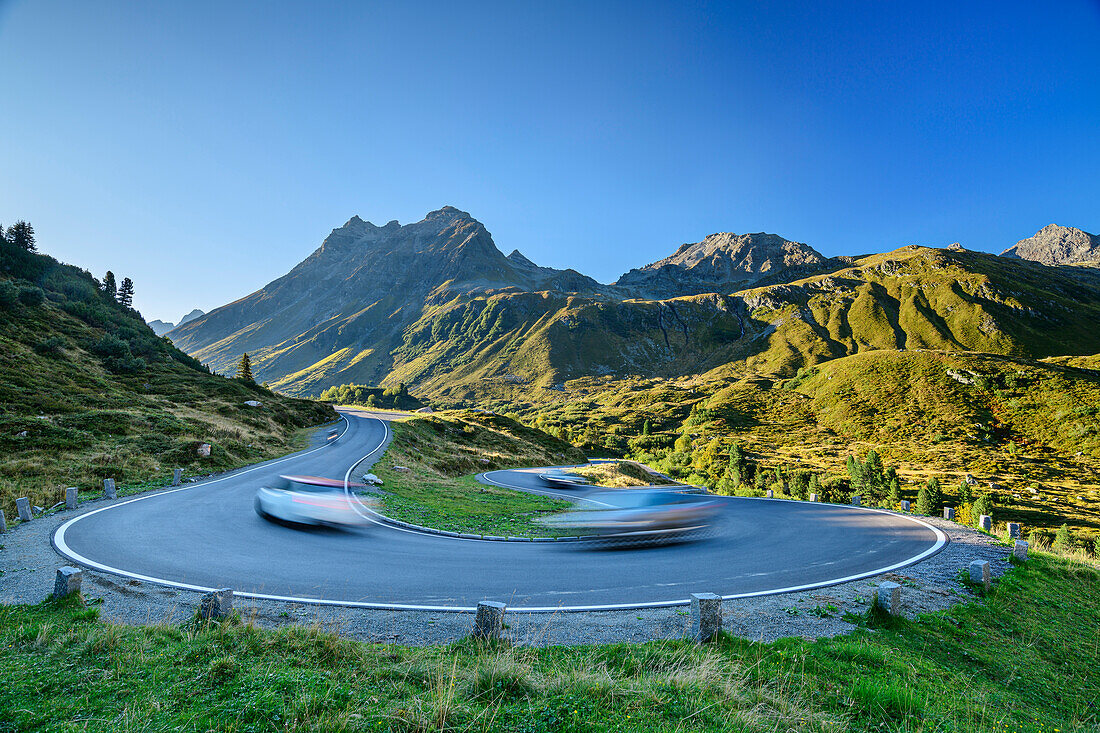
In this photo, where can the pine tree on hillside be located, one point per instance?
(964, 493)
(893, 489)
(646, 428)
(21, 234)
(125, 294)
(110, 287)
(924, 501)
(982, 505)
(815, 486)
(1063, 540)
(735, 469)
(935, 494)
(244, 369)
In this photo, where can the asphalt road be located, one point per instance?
(206, 535)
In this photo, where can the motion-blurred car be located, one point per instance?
(640, 513)
(311, 500)
(333, 436)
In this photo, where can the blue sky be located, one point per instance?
(205, 148)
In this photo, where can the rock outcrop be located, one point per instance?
(721, 263)
(1058, 245)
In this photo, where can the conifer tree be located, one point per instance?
(21, 234)
(815, 485)
(982, 505)
(110, 287)
(125, 295)
(935, 494)
(924, 501)
(646, 428)
(1063, 540)
(855, 474)
(244, 369)
(893, 489)
(964, 493)
(735, 470)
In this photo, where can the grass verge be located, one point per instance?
(1023, 658)
(441, 450)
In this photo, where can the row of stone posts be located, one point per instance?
(26, 512)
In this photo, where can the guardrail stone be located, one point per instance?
(857, 500)
(980, 573)
(489, 621)
(706, 616)
(3, 522)
(888, 597)
(949, 513)
(813, 497)
(177, 476)
(1019, 550)
(216, 604)
(985, 522)
(23, 506)
(109, 490)
(769, 494)
(71, 495)
(905, 506)
(1013, 530)
(67, 581)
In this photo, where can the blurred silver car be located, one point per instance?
(310, 500)
(640, 513)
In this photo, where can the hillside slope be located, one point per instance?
(87, 391)
(335, 317)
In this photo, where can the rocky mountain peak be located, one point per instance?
(721, 262)
(1058, 245)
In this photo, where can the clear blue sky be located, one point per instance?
(205, 148)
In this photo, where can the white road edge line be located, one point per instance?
(65, 550)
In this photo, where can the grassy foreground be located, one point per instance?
(442, 450)
(1025, 658)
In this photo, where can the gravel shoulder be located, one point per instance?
(28, 563)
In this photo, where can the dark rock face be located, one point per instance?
(721, 263)
(1058, 245)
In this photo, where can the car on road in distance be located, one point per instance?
(333, 436)
(640, 513)
(312, 500)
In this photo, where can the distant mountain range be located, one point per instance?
(437, 305)
(160, 327)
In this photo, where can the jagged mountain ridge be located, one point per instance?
(354, 295)
(1058, 245)
(162, 327)
(436, 305)
(720, 263)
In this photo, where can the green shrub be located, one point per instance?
(1063, 540)
(32, 296)
(9, 294)
(51, 346)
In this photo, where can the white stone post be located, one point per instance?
(109, 490)
(888, 597)
(949, 513)
(1019, 550)
(66, 582)
(216, 604)
(904, 506)
(706, 616)
(768, 494)
(1013, 530)
(857, 500)
(985, 522)
(3, 522)
(489, 621)
(23, 506)
(71, 494)
(980, 573)
(177, 476)
(813, 497)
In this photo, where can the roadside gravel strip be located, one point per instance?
(28, 563)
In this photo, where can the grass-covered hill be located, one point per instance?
(88, 391)
(1030, 426)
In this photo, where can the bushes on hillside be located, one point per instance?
(396, 398)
